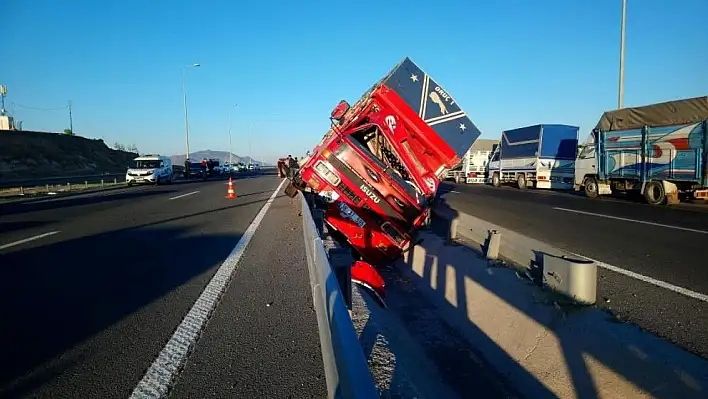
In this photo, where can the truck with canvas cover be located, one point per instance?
(658, 151)
(381, 163)
(540, 156)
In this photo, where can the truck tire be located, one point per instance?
(591, 188)
(654, 193)
(521, 181)
(496, 180)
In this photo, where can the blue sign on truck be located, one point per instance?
(540, 156)
(657, 150)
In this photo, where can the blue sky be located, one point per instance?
(286, 64)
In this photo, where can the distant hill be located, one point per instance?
(29, 155)
(221, 155)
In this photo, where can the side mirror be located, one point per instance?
(340, 110)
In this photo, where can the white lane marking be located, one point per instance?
(12, 244)
(162, 373)
(184, 195)
(668, 226)
(646, 279)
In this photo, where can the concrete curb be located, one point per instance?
(542, 348)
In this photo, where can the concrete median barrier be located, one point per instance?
(544, 342)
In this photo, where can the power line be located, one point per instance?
(37, 109)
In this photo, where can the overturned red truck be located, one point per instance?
(379, 167)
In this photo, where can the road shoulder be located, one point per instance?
(262, 339)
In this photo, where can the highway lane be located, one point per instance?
(671, 249)
(88, 309)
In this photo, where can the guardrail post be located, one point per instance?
(68, 186)
(318, 218)
(22, 190)
(576, 278)
(341, 260)
(86, 184)
(452, 230)
(492, 244)
(101, 183)
(115, 180)
(47, 186)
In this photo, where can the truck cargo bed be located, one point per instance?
(433, 104)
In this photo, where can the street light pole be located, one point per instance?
(71, 120)
(250, 159)
(620, 94)
(230, 149)
(184, 92)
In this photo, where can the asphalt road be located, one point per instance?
(666, 244)
(89, 305)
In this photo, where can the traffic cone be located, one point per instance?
(230, 193)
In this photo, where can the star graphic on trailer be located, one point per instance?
(414, 78)
(462, 126)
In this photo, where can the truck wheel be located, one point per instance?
(654, 193)
(591, 189)
(496, 181)
(521, 181)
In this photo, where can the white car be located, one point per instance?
(150, 169)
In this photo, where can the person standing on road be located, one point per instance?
(289, 167)
(293, 166)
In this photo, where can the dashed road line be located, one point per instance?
(26, 240)
(163, 372)
(647, 279)
(184, 195)
(668, 226)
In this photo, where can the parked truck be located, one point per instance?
(658, 151)
(538, 156)
(380, 165)
(475, 163)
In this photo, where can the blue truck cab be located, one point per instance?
(539, 156)
(658, 151)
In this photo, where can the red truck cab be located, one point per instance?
(382, 161)
(423, 130)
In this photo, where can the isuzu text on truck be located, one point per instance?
(659, 151)
(380, 165)
(539, 156)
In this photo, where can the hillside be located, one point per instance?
(222, 155)
(28, 155)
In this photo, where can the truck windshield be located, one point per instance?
(410, 190)
(145, 164)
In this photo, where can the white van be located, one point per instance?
(151, 169)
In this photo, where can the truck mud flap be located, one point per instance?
(366, 276)
(291, 191)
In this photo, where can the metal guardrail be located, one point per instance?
(346, 369)
(60, 180)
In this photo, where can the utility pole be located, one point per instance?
(230, 149)
(184, 92)
(250, 159)
(620, 94)
(71, 120)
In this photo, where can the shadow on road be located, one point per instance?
(14, 208)
(58, 296)
(11, 226)
(461, 284)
